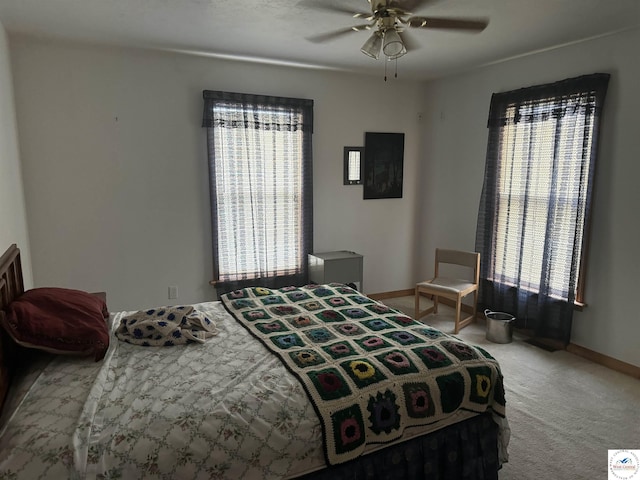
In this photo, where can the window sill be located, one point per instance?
(576, 304)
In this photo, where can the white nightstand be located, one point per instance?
(341, 266)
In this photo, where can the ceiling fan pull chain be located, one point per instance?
(396, 67)
(385, 69)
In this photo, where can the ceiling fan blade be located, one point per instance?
(318, 5)
(363, 26)
(410, 5)
(325, 37)
(447, 23)
(408, 41)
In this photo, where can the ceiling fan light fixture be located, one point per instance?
(373, 45)
(402, 52)
(392, 45)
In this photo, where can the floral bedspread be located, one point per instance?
(370, 371)
(225, 409)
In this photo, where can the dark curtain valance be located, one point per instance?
(557, 99)
(257, 103)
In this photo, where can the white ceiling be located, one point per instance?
(276, 30)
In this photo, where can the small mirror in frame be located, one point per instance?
(353, 165)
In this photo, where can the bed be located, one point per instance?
(232, 406)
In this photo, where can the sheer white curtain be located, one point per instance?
(260, 179)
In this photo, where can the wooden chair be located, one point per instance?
(452, 288)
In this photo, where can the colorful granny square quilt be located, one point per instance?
(370, 371)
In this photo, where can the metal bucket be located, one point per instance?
(499, 326)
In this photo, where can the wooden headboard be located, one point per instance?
(11, 282)
(11, 287)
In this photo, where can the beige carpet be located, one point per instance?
(565, 412)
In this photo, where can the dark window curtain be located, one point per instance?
(536, 201)
(261, 188)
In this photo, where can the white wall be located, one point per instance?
(115, 168)
(13, 220)
(116, 187)
(453, 162)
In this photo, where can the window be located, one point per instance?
(536, 199)
(527, 186)
(260, 179)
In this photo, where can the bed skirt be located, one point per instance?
(463, 451)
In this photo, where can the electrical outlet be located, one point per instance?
(173, 292)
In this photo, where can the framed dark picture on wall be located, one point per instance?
(383, 163)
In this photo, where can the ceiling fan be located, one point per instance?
(389, 20)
